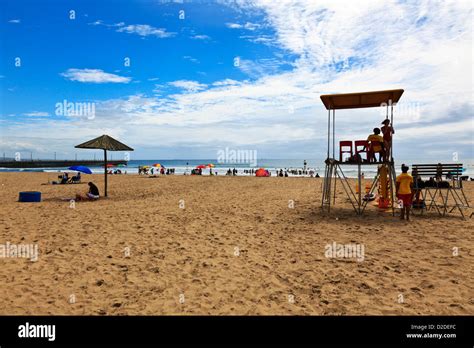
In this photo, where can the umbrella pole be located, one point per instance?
(105, 172)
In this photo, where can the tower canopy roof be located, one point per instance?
(361, 99)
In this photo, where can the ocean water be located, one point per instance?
(273, 165)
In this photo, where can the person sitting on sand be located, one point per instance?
(405, 192)
(387, 131)
(65, 178)
(92, 195)
(375, 145)
(75, 178)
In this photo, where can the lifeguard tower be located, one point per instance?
(385, 177)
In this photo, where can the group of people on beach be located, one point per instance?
(278, 172)
(405, 190)
(232, 172)
(145, 170)
(376, 144)
(66, 179)
(299, 172)
(197, 171)
(408, 194)
(116, 171)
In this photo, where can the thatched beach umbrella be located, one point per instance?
(104, 142)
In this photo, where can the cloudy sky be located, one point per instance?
(185, 79)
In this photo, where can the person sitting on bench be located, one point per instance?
(375, 146)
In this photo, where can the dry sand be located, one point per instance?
(235, 248)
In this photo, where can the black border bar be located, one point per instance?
(288, 330)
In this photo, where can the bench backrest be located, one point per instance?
(453, 169)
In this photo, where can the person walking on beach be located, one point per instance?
(405, 192)
(387, 131)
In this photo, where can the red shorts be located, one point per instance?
(405, 198)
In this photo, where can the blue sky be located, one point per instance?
(246, 75)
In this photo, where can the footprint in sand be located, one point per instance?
(426, 285)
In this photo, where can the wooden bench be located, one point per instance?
(445, 182)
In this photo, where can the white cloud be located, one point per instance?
(15, 21)
(226, 82)
(138, 29)
(37, 114)
(189, 86)
(259, 39)
(234, 25)
(200, 37)
(248, 26)
(261, 67)
(101, 22)
(191, 59)
(93, 76)
(145, 30)
(158, 89)
(357, 47)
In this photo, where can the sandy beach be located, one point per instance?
(224, 246)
